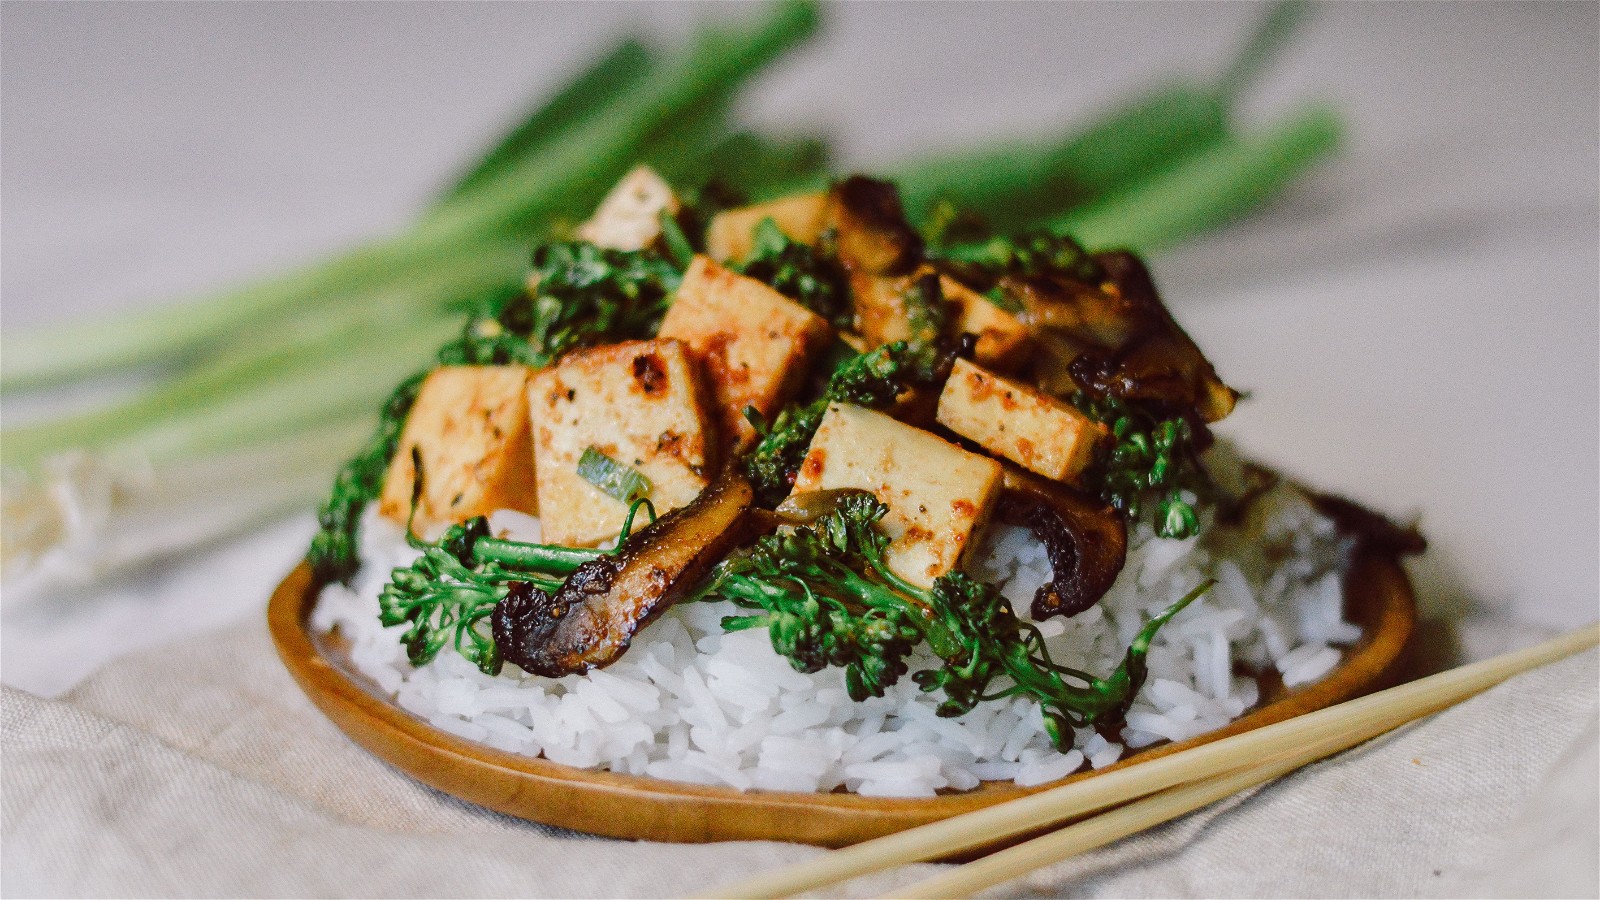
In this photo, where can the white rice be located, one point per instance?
(689, 703)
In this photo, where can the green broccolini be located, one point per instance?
(448, 594)
(491, 336)
(589, 295)
(811, 277)
(333, 554)
(818, 609)
(871, 379)
(1151, 456)
(827, 597)
(1027, 255)
(581, 295)
(584, 295)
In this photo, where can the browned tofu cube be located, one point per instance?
(731, 235)
(1015, 421)
(1002, 339)
(754, 344)
(938, 494)
(880, 308)
(470, 427)
(629, 218)
(882, 316)
(639, 404)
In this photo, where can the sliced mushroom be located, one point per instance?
(809, 506)
(1157, 362)
(1085, 311)
(591, 620)
(1117, 339)
(870, 228)
(1087, 541)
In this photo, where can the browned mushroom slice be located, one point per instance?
(1087, 541)
(807, 507)
(1086, 312)
(870, 228)
(592, 619)
(1157, 362)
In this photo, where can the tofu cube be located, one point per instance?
(636, 402)
(802, 217)
(470, 426)
(754, 345)
(939, 495)
(1017, 422)
(880, 308)
(629, 218)
(1002, 338)
(882, 316)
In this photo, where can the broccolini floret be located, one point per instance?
(587, 295)
(809, 276)
(1029, 255)
(1151, 456)
(827, 597)
(449, 593)
(583, 295)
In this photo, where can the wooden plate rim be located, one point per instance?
(1378, 596)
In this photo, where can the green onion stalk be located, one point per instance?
(325, 345)
(1210, 189)
(512, 197)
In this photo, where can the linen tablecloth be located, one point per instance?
(199, 770)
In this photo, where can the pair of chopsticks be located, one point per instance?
(1148, 794)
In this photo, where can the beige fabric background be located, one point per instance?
(200, 770)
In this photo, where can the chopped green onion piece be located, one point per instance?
(612, 478)
(679, 250)
(769, 238)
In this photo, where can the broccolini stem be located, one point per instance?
(827, 598)
(901, 595)
(549, 559)
(1101, 698)
(518, 556)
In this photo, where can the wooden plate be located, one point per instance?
(1377, 596)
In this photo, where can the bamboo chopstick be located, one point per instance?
(1097, 831)
(1322, 733)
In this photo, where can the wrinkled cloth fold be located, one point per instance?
(201, 770)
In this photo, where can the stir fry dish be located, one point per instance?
(811, 408)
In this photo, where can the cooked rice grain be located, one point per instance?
(689, 703)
